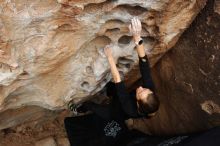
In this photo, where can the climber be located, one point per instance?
(108, 123)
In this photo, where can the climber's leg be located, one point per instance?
(208, 138)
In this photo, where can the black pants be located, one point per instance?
(207, 138)
(210, 137)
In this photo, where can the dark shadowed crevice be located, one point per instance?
(132, 10)
(125, 39)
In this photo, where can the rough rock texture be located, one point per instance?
(53, 49)
(63, 142)
(46, 142)
(36, 132)
(12, 117)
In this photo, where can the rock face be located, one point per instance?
(51, 52)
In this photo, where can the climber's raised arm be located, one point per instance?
(128, 105)
(114, 70)
(135, 28)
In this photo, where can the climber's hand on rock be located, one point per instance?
(115, 73)
(108, 51)
(135, 28)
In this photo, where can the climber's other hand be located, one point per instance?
(135, 28)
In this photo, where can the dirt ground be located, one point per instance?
(29, 133)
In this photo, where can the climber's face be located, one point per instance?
(142, 93)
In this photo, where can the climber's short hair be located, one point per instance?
(150, 106)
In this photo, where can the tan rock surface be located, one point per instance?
(46, 142)
(63, 142)
(51, 51)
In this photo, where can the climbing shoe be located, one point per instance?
(77, 108)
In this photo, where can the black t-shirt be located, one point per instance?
(122, 107)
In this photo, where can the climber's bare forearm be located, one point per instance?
(140, 50)
(114, 70)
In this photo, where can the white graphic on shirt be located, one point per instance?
(112, 128)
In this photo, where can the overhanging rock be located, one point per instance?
(53, 49)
